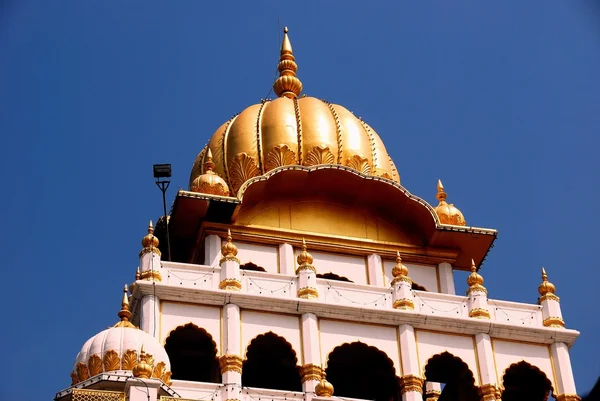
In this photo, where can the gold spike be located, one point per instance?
(124, 313)
(287, 85)
(544, 275)
(441, 194)
(546, 287)
(150, 227)
(473, 266)
(209, 165)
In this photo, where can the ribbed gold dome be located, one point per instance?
(447, 212)
(293, 131)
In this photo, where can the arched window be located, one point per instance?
(455, 377)
(333, 276)
(271, 363)
(357, 370)
(417, 287)
(523, 381)
(193, 355)
(252, 267)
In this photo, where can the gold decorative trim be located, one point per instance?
(311, 372)
(360, 164)
(298, 128)
(166, 378)
(488, 392)
(230, 284)
(548, 297)
(308, 293)
(367, 130)
(150, 249)
(231, 363)
(94, 365)
(567, 397)
(432, 395)
(479, 313)
(150, 275)
(80, 394)
(404, 304)
(338, 129)
(159, 370)
(280, 155)
(554, 321)
(405, 279)
(410, 383)
(319, 155)
(82, 372)
(229, 259)
(259, 149)
(129, 360)
(241, 169)
(477, 288)
(306, 267)
(74, 379)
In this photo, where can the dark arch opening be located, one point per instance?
(193, 355)
(252, 267)
(417, 287)
(358, 370)
(333, 276)
(455, 376)
(523, 381)
(271, 363)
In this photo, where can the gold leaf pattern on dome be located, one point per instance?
(386, 175)
(241, 169)
(319, 155)
(129, 360)
(359, 163)
(166, 378)
(111, 361)
(74, 379)
(94, 365)
(280, 155)
(159, 370)
(82, 372)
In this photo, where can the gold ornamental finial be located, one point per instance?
(143, 369)
(324, 388)
(124, 313)
(287, 85)
(150, 242)
(475, 280)
(546, 287)
(210, 182)
(229, 250)
(399, 271)
(208, 164)
(447, 212)
(304, 258)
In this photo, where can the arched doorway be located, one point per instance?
(454, 375)
(358, 370)
(193, 355)
(271, 363)
(523, 381)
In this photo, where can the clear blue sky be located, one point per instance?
(500, 100)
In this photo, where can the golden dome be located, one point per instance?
(228, 249)
(475, 280)
(293, 131)
(447, 212)
(324, 388)
(150, 240)
(209, 182)
(546, 287)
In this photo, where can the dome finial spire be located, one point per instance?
(287, 85)
(124, 313)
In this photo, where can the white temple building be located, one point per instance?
(301, 269)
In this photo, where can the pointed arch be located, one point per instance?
(333, 276)
(271, 362)
(193, 354)
(417, 287)
(358, 370)
(524, 381)
(252, 267)
(455, 376)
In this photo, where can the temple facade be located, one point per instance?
(299, 268)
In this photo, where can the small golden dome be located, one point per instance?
(228, 249)
(124, 313)
(546, 287)
(324, 388)
(304, 258)
(474, 278)
(447, 212)
(289, 130)
(399, 269)
(150, 240)
(209, 182)
(143, 369)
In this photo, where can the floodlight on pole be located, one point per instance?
(162, 177)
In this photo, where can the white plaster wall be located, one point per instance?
(508, 352)
(175, 314)
(352, 267)
(262, 255)
(432, 343)
(335, 333)
(423, 275)
(286, 326)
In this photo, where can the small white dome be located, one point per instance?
(119, 348)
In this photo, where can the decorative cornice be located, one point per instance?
(554, 321)
(410, 383)
(150, 275)
(477, 288)
(231, 363)
(150, 249)
(548, 297)
(311, 372)
(567, 397)
(230, 284)
(488, 392)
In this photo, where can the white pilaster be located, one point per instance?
(286, 260)
(138, 389)
(375, 270)
(446, 278)
(565, 382)
(411, 382)
(212, 250)
(487, 366)
(150, 315)
(231, 360)
(311, 369)
(551, 312)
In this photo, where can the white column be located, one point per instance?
(565, 381)
(150, 315)
(286, 260)
(487, 367)
(375, 270)
(411, 382)
(312, 370)
(446, 277)
(231, 360)
(138, 389)
(212, 250)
